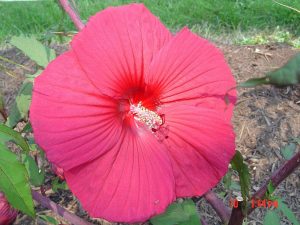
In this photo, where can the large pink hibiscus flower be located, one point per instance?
(135, 115)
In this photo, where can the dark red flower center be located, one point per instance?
(140, 106)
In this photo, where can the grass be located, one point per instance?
(211, 17)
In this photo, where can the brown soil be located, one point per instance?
(266, 118)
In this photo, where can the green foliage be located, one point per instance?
(227, 179)
(289, 74)
(31, 77)
(42, 55)
(238, 164)
(271, 218)
(263, 37)
(14, 182)
(282, 207)
(27, 128)
(222, 16)
(235, 186)
(289, 150)
(253, 82)
(20, 108)
(230, 184)
(287, 212)
(296, 140)
(48, 219)
(36, 175)
(34, 49)
(58, 185)
(184, 213)
(270, 190)
(8, 134)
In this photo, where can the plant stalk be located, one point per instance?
(203, 222)
(3, 114)
(218, 206)
(47, 203)
(72, 14)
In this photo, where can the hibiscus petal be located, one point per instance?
(201, 144)
(190, 69)
(117, 45)
(68, 115)
(130, 183)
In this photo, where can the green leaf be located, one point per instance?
(227, 180)
(184, 213)
(190, 208)
(14, 182)
(238, 164)
(296, 140)
(222, 194)
(287, 212)
(271, 218)
(36, 176)
(289, 74)
(57, 184)
(270, 190)
(253, 82)
(34, 49)
(8, 134)
(20, 108)
(48, 219)
(31, 77)
(27, 128)
(288, 151)
(235, 186)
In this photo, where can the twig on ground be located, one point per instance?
(72, 14)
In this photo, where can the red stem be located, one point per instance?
(237, 216)
(47, 203)
(276, 178)
(3, 113)
(72, 14)
(203, 222)
(218, 206)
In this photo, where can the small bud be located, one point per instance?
(7, 213)
(58, 171)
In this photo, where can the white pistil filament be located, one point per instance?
(151, 119)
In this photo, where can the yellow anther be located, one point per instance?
(150, 118)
